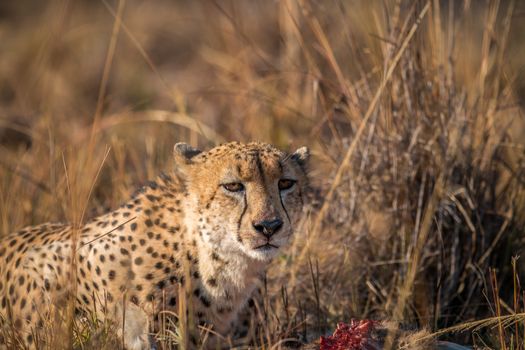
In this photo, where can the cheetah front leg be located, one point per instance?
(247, 325)
(134, 323)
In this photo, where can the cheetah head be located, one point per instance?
(244, 199)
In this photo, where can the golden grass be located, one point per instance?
(411, 109)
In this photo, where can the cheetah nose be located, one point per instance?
(268, 227)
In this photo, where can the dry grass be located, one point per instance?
(411, 108)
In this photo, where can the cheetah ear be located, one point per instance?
(183, 153)
(301, 156)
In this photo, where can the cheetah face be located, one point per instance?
(245, 199)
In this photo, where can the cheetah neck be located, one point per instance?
(229, 277)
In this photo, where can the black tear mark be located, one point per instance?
(243, 212)
(284, 208)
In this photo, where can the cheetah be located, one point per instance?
(213, 222)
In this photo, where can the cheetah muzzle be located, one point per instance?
(210, 228)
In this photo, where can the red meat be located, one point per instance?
(349, 336)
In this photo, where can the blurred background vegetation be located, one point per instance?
(413, 110)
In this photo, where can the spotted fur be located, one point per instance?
(184, 229)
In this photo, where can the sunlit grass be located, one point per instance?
(410, 108)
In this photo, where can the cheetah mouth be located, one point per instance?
(266, 246)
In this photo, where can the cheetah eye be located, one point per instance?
(285, 184)
(234, 187)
